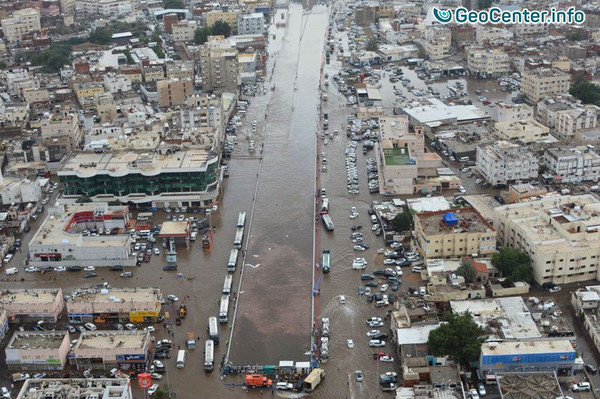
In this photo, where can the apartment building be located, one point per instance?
(525, 131)
(549, 107)
(125, 350)
(487, 62)
(572, 165)
(560, 234)
(30, 305)
(42, 350)
(539, 83)
(24, 21)
(219, 67)
(173, 92)
(503, 162)
(437, 42)
(135, 305)
(571, 121)
(230, 17)
(251, 24)
(528, 30)
(116, 83)
(512, 112)
(183, 31)
(62, 124)
(105, 8)
(67, 6)
(486, 34)
(180, 70)
(445, 234)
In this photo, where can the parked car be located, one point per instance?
(172, 298)
(359, 375)
(90, 274)
(581, 386)
(376, 343)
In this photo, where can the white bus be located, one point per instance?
(241, 219)
(209, 355)
(224, 310)
(180, 358)
(227, 284)
(232, 263)
(239, 236)
(213, 330)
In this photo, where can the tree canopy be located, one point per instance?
(460, 338)
(467, 270)
(587, 92)
(372, 45)
(513, 263)
(55, 56)
(176, 4)
(402, 222)
(201, 35)
(219, 28)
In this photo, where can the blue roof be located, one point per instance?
(450, 219)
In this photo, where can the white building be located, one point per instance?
(485, 33)
(525, 30)
(105, 8)
(251, 24)
(20, 190)
(116, 83)
(183, 31)
(572, 165)
(113, 388)
(27, 20)
(571, 121)
(504, 162)
(393, 53)
(511, 112)
(487, 63)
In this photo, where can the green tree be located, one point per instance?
(372, 45)
(402, 222)
(159, 52)
(177, 4)
(20, 57)
(221, 28)
(587, 92)
(127, 54)
(100, 36)
(82, 199)
(467, 270)
(460, 338)
(2, 64)
(513, 263)
(201, 35)
(574, 36)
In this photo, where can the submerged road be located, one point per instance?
(273, 315)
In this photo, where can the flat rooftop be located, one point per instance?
(438, 111)
(172, 229)
(114, 388)
(529, 386)
(469, 221)
(526, 347)
(94, 295)
(118, 164)
(112, 340)
(396, 156)
(28, 296)
(36, 340)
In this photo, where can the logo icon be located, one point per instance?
(444, 16)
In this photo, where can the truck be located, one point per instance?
(257, 381)
(314, 378)
(213, 330)
(209, 355)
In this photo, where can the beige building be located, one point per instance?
(22, 22)
(503, 162)
(87, 89)
(32, 95)
(486, 62)
(560, 234)
(32, 304)
(113, 388)
(125, 350)
(136, 305)
(512, 112)
(154, 74)
(231, 17)
(219, 67)
(525, 131)
(174, 91)
(183, 31)
(31, 350)
(539, 83)
(62, 125)
(437, 41)
(180, 70)
(466, 232)
(574, 120)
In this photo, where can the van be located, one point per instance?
(416, 269)
(11, 270)
(373, 219)
(181, 358)
(464, 159)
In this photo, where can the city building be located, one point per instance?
(485, 33)
(572, 165)
(107, 8)
(549, 107)
(531, 356)
(65, 237)
(116, 83)
(31, 305)
(559, 233)
(586, 302)
(251, 24)
(219, 67)
(525, 131)
(125, 350)
(173, 92)
(229, 17)
(434, 114)
(487, 63)
(37, 350)
(135, 305)
(114, 388)
(445, 234)
(539, 83)
(571, 121)
(16, 191)
(511, 112)
(524, 192)
(22, 22)
(527, 30)
(3, 324)
(503, 162)
(164, 178)
(437, 42)
(183, 31)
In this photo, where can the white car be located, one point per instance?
(172, 297)
(377, 343)
(150, 329)
(350, 343)
(360, 260)
(387, 359)
(374, 227)
(383, 288)
(156, 251)
(32, 269)
(60, 269)
(152, 389)
(158, 364)
(5, 392)
(473, 393)
(7, 258)
(359, 248)
(372, 333)
(342, 299)
(89, 268)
